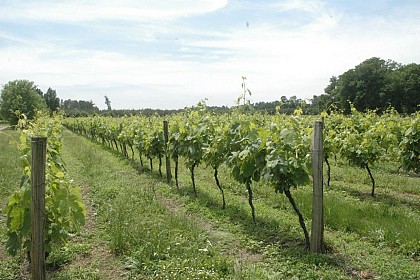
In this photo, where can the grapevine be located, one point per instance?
(64, 210)
(255, 147)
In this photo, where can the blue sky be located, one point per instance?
(172, 54)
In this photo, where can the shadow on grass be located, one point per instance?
(386, 199)
(266, 232)
(400, 172)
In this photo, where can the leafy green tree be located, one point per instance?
(77, 108)
(411, 88)
(377, 84)
(321, 103)
(402, 90)
(51, 99)
(20, 96)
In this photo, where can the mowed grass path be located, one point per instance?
(139, 227)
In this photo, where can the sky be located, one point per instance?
(171, 54)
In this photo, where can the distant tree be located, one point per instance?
(108, 103)
(20, 96)
(39, 91)
(283, 99)
(332, 88)
(410, 78)
(266, 107)
(377, 84)
(321, 103)
(51, 99)
(362, 85)
(75, 108)
(284, 106)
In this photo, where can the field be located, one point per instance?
(140, 227)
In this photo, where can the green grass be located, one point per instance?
(141, 228)
(381, 220)
(9, 181)
(9, 159)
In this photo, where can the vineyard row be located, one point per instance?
(275, 149)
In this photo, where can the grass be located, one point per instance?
(138, 227)
(10, 267)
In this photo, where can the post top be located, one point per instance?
(38, 139)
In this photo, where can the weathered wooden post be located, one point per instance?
(317, 233)
(168, 160)
(38, 159)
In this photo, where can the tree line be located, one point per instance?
(24, 97)
(375, 84)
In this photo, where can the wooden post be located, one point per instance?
(317, 233)
(168, 160)
(38, 158)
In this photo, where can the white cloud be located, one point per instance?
(76, 11)
(300, 62)
(203, 63)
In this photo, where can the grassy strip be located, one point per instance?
(10, 268)
(9, 160)
(386, 175)
(150, 240)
